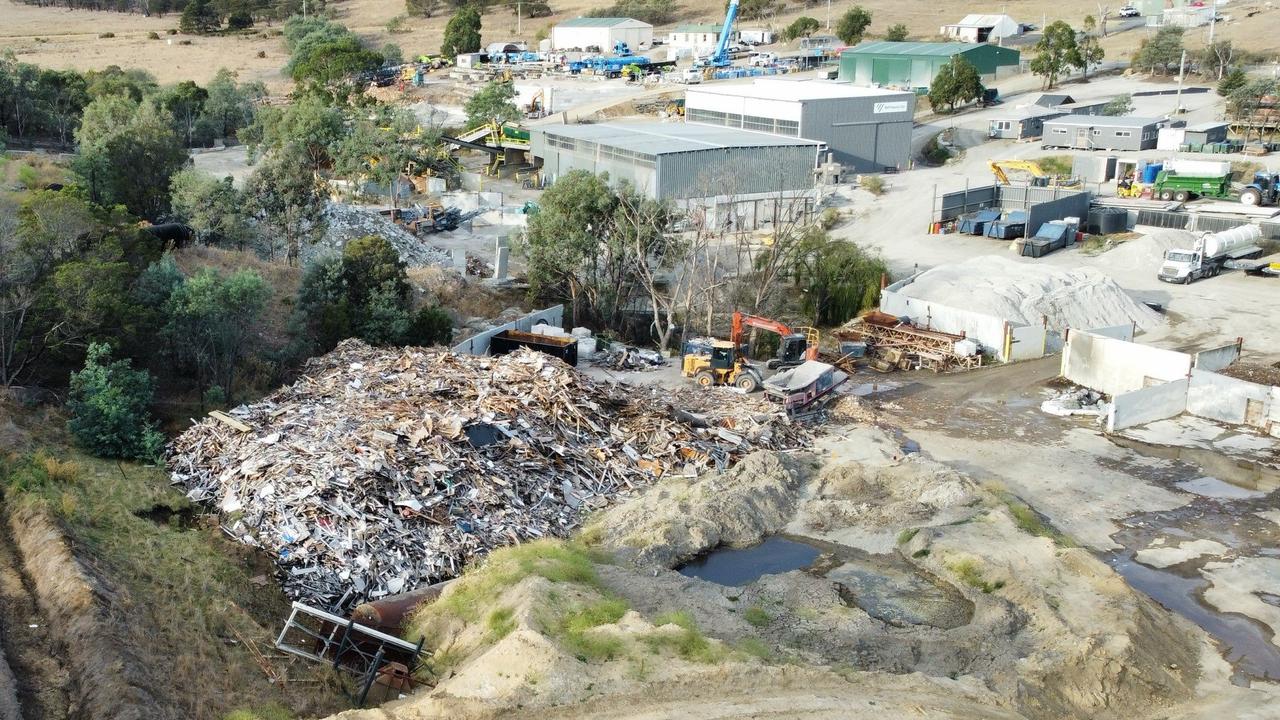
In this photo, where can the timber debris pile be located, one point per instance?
(385, 469)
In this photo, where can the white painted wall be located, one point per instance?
(1223, 398)
(739, 105)
(1115, 366)
(1118, 332)
(1150, 404)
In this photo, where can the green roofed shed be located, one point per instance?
(913, 64)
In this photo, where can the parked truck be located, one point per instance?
(1210, 254)
(1171, 185)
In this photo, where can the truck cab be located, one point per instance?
(1182, 266)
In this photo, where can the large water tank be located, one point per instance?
(1106, 220)
(1228, 240)
(1150, 172)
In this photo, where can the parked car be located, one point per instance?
(763, 59)
(1129, 11)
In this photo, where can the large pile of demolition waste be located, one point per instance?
(383, 469)
(344, 223)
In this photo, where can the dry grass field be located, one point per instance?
(60, 38)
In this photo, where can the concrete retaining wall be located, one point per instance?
(479, 344)
(1217, 358)
(1115, 366)
(1229, 400)
(1149, 404)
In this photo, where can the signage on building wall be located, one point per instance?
(890, 107)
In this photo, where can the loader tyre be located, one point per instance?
(705, 378)
(1182, 196)
(747, 382)
(1251, 196)
(1166, 194)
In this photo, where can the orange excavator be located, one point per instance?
(797, 345)
(723, 363)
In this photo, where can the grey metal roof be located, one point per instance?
(1105, 120)
(1205, 126)
(594, 22)
(889, 47)
(1053, 100)
(668, 138)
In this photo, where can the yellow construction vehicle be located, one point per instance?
(1127, 188)
(1039, 178)
(721, 364)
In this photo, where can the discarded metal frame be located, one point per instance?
(363, 652)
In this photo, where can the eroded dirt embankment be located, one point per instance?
(104, 680)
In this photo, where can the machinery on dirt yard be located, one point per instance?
(723, 362)
(1039, 178)
(1211, 253)
(796, 346)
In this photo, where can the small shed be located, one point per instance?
(976, 28)
(697, 36)
(1021, 123)
(1102, 132)
(1205, 133)
(1054, 99)
(1086, 107)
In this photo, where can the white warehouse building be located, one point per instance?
(604, 33)
(866, 129)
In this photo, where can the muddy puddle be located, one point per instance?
(1243, 474)
(894, 591)
(887, 587)
(742, 566)
(1228, 492)
(1245, 643)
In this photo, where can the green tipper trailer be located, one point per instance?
(1172, 186)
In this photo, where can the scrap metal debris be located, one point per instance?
(385, 469)
(627, 357)
(1076, 401)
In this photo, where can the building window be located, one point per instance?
(1059, 131)
(1004, 125)
(1096, 131)
(1124, 133)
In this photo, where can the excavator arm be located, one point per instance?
(743, 320)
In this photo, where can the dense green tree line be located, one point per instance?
(49, 105)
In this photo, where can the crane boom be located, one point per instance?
(729, 16)
(720, 56)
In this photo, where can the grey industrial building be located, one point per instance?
(866, 129)
(679, 161)
(1101, 132)
(1022, 123)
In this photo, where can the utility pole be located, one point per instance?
(519, 13)
(828, 15)
(1182, 71)
(1213, 19)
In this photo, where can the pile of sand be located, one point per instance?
(1024, 293)
(1147, 252)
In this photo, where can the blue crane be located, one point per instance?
(720, 58)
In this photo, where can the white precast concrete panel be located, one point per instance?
(1227, 399)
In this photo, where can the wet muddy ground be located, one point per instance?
(1223, 493)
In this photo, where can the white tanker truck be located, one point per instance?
(1211, 253)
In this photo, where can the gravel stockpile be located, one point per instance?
(1020, 292)
(349, 222)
